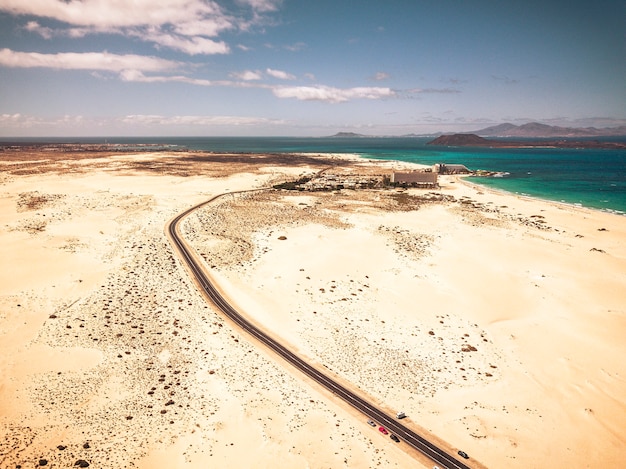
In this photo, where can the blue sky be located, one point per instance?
(307, 68)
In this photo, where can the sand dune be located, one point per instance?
(493, 321)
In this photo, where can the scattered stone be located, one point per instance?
(81, 463)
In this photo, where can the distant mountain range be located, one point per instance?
(537, 130)
(530, 130)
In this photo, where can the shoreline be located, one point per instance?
(410, 165)
(529, 197)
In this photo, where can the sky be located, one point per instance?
(307, 67)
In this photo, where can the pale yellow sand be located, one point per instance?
(393, 301)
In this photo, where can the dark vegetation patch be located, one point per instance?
(35, 200)
(42, 160)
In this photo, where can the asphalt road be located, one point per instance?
(408, 436)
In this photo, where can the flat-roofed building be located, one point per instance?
(442, 168)
(415, 178)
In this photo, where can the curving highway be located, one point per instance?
(439, 456)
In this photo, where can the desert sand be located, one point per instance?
(494, 321)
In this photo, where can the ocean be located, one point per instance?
(592, 178)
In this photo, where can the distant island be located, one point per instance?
(348, 135)
(473, 140)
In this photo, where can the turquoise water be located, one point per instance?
(591, 178)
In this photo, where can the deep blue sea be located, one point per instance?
(591, 178)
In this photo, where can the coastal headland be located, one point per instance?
(494, 322)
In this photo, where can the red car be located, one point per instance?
(383, 430)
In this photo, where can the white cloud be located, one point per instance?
(149, 69)
(204, 27)
(35, 27)
(191, 46)
(11, 122)
(20, 124)
(248, 78)
(85, 61)
(132, 75)
(156, 120)
(49, 33)
(331, 94)
(380, 76)
(183, 25)
(280, 74)
(113, 14)
(261, 5)
(247, 75)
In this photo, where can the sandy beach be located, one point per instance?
(495, 322)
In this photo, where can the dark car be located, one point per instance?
(395, 438)
(463, 454)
